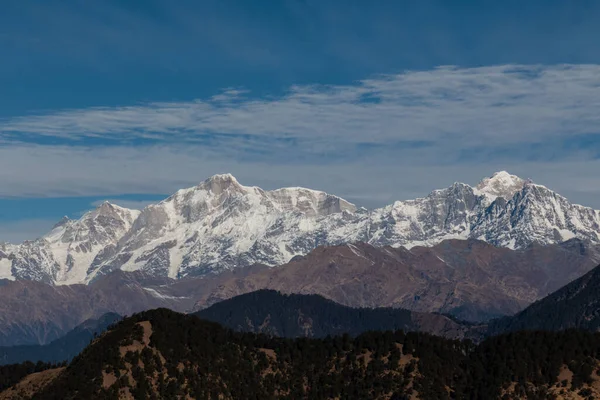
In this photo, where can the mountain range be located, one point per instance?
(220, 225)
(61, 349)
(574, 306)
(467, 279)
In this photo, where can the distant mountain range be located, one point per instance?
(574, 306)
(467, 279)
(221, 225)
(61, 349)
(264, 311)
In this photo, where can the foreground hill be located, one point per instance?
(264, 311)
(162, 354)
(221, 224)
(291, 316)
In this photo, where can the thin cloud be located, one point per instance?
(487, 105)
(64, 171)
(383, 139)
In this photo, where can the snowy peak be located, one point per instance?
(224, 190)
(107, 208)
(73, 244)
(220, 183)
(63, 221)
(107, 212)
(221, 224)
(312, 203)
(215, 192)
(500, 184)
(106, 219)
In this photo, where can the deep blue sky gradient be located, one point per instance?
(75, 54)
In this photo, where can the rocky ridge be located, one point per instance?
(221, 224)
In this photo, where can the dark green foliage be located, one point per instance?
(11, 374)
(191, 357)
(268, 311)
(534, 357)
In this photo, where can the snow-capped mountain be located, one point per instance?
(62, 256)
(221, 224)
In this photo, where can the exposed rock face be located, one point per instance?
(220, 225)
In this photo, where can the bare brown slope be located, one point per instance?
(470, 279)
(37, 313)
(31, 384)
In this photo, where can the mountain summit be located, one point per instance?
(500, 184)
(221, 224)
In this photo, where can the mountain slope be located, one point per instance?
(471, 280)
(221, 225)
(577, 305)
(61, 349)
(38, 313)
(270, 312)
(65, 254)
(161, 354)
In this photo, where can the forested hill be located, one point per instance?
(576, 305)
(298, 315)
(161, 354)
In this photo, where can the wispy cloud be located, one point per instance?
(63, 171)
(490, 105)
(384, 138)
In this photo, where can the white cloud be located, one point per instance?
(486, 105)
(419, 126)
(39, 171)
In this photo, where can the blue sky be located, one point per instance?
(373, 101)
